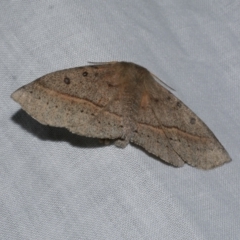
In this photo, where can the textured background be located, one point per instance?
(55, 185)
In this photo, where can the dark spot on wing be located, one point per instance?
(85, 74)
(192, 120)
(67, 80)
(179, 104)
(110, 84)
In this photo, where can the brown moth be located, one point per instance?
(122, 101)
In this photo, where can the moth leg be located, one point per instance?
(105, 141)
(121, 143)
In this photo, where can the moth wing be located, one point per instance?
(84, 100)
(170, 130)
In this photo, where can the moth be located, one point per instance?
(122, 101)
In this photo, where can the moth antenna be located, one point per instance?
(102, 63)
(162, 82)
